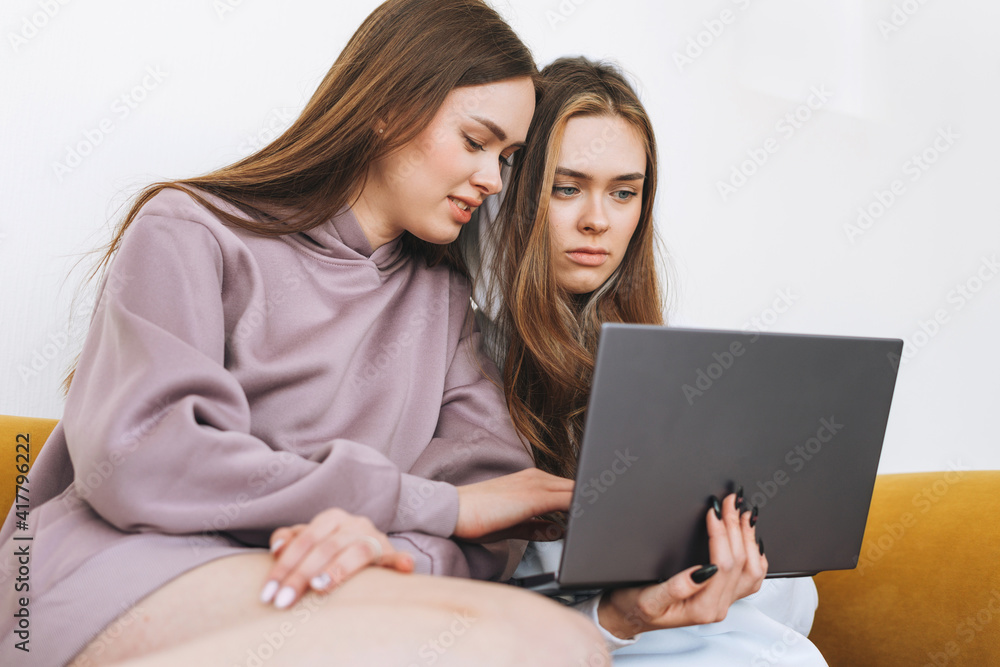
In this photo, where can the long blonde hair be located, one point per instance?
(550, 336)
(395, 71)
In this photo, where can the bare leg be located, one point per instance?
(211, 616)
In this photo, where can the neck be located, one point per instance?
(372, 220)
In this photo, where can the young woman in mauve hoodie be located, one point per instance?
(286, 343)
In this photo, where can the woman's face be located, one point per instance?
(596, 200)
(431, 186)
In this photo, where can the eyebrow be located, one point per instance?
(495, 129)
(572, 173)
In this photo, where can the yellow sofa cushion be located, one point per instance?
(926, 591)
(21, 438)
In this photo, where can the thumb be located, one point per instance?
(683, 585)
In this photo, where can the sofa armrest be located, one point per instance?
(926, 590)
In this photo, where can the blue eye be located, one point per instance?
(565, 190)
(624, 195)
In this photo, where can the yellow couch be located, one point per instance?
(926, 591)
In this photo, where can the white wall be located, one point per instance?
(165, 89)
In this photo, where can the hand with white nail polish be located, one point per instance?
(324, 553)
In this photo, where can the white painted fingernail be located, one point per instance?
(270, 588)
(320, 582)
(285, 597)
(277, 545)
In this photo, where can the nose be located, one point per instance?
(593, 217)
(487, 179)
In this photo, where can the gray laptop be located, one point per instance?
(678, 415)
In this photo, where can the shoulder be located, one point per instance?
(174, 221)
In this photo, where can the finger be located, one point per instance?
(735, 575)
(535, 530)
(293, 551)
(654, 602)
(358, 553)
(282, 536)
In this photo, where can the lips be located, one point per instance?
(462, 209)
(588, 256)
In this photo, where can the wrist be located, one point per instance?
(614, 619)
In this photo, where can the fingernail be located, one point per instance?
(717, 506)
(703, 574)
(320, 582)
(753, 517)
(739, 498)
(760, 543)
(270, 588)
(277, 545)
(285, 597)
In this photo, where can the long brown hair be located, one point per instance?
(394, 74)
(550, 336)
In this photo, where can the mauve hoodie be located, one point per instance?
(233, 383)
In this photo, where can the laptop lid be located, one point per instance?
(677, 415)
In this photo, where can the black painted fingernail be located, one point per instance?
(760, 543)
(753, 517)
(717, 506)
(703, 574)
(739, 498)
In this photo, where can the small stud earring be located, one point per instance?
(381, 130)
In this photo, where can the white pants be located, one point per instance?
(765, 629)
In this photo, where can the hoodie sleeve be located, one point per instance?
(159, 431)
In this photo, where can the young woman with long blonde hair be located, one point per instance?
(570, 247)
